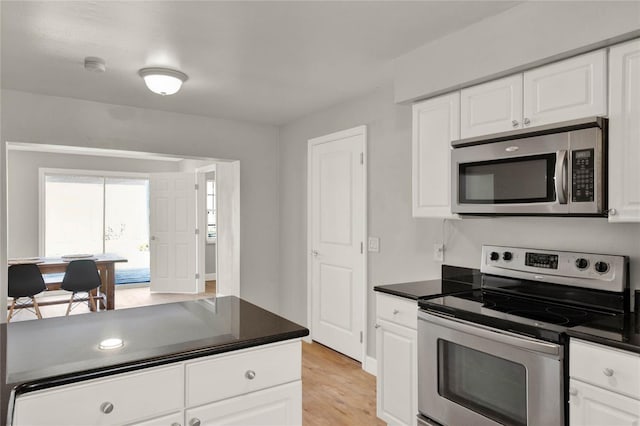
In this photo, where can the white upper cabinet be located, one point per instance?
(436, 122)
(562, 91)
(491, 107)
(566, 90)
(624, 132)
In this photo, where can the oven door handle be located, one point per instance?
(496, 335)
(560, 177)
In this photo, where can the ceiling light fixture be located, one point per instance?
(94, 64)
(163, 81)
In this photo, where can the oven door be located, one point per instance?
(469, 374)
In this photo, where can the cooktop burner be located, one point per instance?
(538, 310)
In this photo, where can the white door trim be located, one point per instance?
(356, 131)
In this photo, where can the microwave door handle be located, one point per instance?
(560, 178)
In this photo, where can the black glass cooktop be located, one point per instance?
(539, 318)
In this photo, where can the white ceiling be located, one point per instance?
(266, 62)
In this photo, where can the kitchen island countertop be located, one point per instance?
(55, 351)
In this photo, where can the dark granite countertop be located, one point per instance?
(454, 279)
(622, 332)
(56, 351)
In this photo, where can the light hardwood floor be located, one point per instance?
(335, 389)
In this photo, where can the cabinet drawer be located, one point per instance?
(605, 367)
(397, 310)
(225, 376)
(134, 396)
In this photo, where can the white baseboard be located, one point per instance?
(307, 339)
(370, 365)
(209, 277)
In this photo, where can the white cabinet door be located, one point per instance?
(566, 90)
(277, 406)
(624, 132)
(436, 122)
(492, 107)
(175, 419)
(592, 406)
(397, 386)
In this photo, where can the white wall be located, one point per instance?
(406, 243)
(529, 34)
(23, 187)
(28, 117)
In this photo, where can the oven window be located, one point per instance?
(491, 386)
(511, 180)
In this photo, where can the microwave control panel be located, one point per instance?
(582, 176)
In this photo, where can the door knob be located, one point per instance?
(194, 422)
(526, 121)
(573, 391)
(515, 123)
(153, 238)
(607, 372)
(314, 253)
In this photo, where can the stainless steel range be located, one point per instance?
(498, 355)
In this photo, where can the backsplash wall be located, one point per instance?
(463, 238)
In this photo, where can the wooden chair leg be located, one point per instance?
(92, 301)
(36, 307)
(70, 304)
(13, 305)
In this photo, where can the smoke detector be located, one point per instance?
(94, 64)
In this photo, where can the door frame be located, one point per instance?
(355, 131)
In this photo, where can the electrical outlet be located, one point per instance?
(438, 252)
(374, 244)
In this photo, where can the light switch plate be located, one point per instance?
(374, 244)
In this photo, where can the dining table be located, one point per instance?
(104, 262)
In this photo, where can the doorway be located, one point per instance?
(337, 226)
(24, 223)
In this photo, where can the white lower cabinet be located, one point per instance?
(396, 356)
(174, 419)
(593, 406)
(604, 386)
(260, 385)
(277, 406)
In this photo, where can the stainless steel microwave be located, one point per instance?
(550, 170)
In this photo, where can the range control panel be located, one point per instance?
(589, 270)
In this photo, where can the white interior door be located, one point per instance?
(172, 226)
(337, 224)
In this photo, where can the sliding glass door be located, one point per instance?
(90, 214)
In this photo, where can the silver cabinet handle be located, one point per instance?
(526, 121)
(396, 312)
(194, 422)
(515, 123)
(106, 407)
(607, 372)
(250, 374)
(573, 391)
(612, 212)
(315, 253)
(377, 326)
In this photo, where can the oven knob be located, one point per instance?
(507, 255)
(494, 255)
(582, 263)
(601, 267)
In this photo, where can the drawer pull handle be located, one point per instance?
(573, 391)
(194, 422)
(106, 407)
(396, 312)
(250, 374)
(607, 372)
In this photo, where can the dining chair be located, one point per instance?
(24, 281)
(82, 276)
